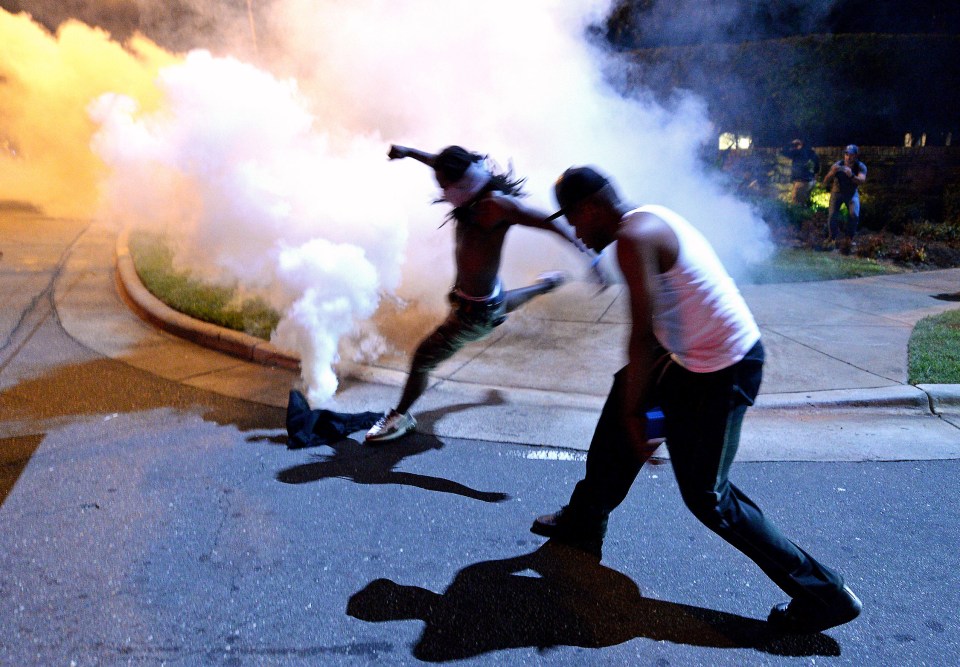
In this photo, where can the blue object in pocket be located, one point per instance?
(656, 424)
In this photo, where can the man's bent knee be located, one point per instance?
(708, 509)
(427, 358)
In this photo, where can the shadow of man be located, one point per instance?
(368, 464)
(559, 596)
(364, 464)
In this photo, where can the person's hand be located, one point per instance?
(847, 170)
(598, 276)
(578, 244)
(398, 152)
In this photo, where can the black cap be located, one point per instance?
(575, 185)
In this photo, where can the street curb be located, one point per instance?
(903, 396)
(944, 398)
(926, 398)
(154, 311)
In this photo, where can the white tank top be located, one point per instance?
(699, 315)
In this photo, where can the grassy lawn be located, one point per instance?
(179, 290)
(934, 351)
(795, 266)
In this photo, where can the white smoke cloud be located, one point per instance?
(233, 167)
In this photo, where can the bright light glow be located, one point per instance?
(819, 198)
(730, 140)
(45, 86)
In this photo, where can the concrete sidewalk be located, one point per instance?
(836, 350)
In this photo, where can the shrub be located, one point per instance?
(942, 255)
(951, 203)
(819, 198)
(909, 251)
(895, 216)
(932, 231)
(780, 213)
(871, 245)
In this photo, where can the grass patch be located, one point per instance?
(218, 305)
(791, 265)
(933, 354)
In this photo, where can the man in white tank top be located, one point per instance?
(695, 352)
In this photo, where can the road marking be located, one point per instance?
(551, 455)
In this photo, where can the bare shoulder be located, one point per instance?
(496, 208)
(646, 240)
(634, 237)
(496, 201)
(643, 227)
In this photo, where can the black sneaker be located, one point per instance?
(572, 528)
(804, 617)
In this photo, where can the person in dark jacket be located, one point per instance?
(804, 168)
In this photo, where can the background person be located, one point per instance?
(804, 169)
(844, 180)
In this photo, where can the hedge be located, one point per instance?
(830, 89)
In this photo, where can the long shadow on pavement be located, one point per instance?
(15, 453)
(365, 464)
(75, 391)
(559, 596)
(375, 464)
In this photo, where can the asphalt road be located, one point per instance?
(147, 523)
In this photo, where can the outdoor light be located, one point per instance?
(730, 140)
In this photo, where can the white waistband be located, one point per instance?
(493, 295)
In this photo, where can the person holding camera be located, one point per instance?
(844, 180)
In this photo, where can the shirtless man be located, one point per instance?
(486, 204)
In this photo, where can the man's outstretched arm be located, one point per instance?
(399, 152)
(501, 209)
